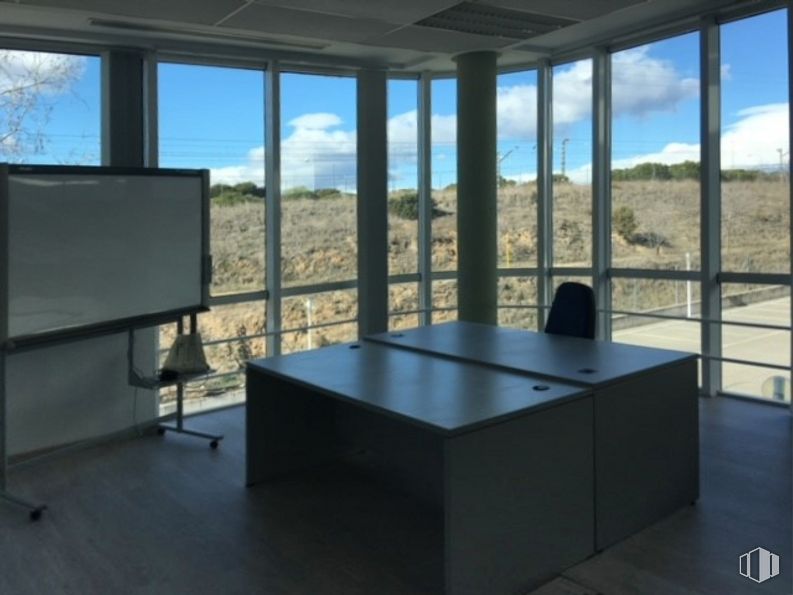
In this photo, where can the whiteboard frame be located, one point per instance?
(109, 326)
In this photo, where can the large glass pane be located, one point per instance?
(403, 303)
(756, 381)
(655, 155)
(444, 175)
(517, 301)
(572, 164)
(213, 118)
(681, 335)
(318, 179)
(403, 212)
(304, 312)
(765, 304)
(230, 337)
(755, 208)
(444, 301)
(50, 108)
(658, 297)
(517, 169)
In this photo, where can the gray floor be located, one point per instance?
(167, 515)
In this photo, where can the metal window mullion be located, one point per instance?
(544, 188)
(151, 121)
(272, 204)
(710, 204)
(601, 188)
(790, 161)
(425, 197)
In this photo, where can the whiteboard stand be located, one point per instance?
(34, 510)
(154, 383)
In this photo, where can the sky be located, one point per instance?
(214, 117)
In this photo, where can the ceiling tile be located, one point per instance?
(427, 39)
(570, 9)
(204, 12)
(285, 21)
(404, 12)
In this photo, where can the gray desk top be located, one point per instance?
(446, 396)
(580, 361)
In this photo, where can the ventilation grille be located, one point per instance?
(492, 21)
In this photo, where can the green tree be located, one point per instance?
(30, 82)
(406, 206)
(624, 221)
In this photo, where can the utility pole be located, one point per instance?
(782, 154)
(499, 159)
(564, 156)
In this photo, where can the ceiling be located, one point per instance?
(409, 35)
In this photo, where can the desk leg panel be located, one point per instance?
(288, 428)
(646, 450)
(518, 501)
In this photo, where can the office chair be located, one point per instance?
(572, 312)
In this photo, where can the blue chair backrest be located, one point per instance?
(573, 311)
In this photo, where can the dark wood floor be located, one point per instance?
(168, 515)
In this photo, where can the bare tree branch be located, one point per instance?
(30, 84)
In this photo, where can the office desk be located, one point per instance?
(646, 415)
(505, 458)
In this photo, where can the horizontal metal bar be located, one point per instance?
(404, 278)
(755, 278)
(571, 271)
(444, 275)
(518, 307)
(760, 325)
(319, 288)
(668, 274)
(519, 272)
(239, 298)
(407, 312)
(744, 362)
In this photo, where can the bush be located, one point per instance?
(624, 221)
(299, 192)
(229, 198)
(243, 188)
(406, 206)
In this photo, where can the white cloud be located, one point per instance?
(319, 153)
(751, 142)
(318, 121)
(643, 84)
(516, 109)
(755, 139)
(50, 73)
(316, 154)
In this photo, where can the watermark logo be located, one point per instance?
(759, 565)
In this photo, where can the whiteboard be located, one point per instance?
(91, 248)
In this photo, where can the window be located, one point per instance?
(403, 201)
(213, 117)
(318, 180)
(319, 237)
(444, 176)
(516, 163)
(655, 155)
(572, 164)
(321, 319)
(50, 108)
(755, 207)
